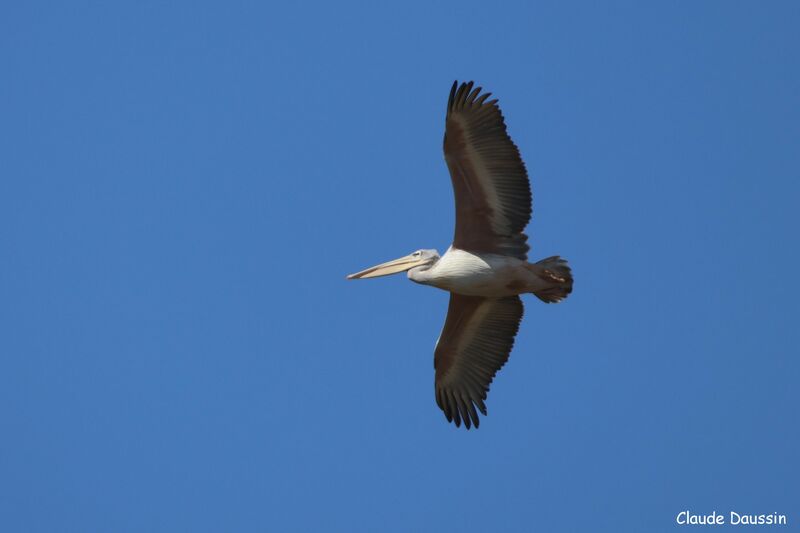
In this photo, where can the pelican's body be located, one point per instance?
(476, 274)
(486, 268)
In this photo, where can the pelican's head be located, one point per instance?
(421, 258)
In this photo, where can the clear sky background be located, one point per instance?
(183, 189)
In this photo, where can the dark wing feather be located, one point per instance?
(475, 343)
(490, 183)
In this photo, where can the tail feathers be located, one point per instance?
(556, 272)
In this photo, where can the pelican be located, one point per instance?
(485, 270)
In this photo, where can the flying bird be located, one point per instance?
(486, 269)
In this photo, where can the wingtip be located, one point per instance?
(452, 96)
(462, 94)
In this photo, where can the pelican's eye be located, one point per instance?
(416, 254)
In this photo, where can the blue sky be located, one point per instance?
(184, 188)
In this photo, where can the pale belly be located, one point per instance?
(479, 275)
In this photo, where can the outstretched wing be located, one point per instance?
(475, 343)
(493, 195)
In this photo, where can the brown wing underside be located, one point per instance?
(475, 343)
(490, 183)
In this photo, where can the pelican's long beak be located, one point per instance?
(391, 267)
